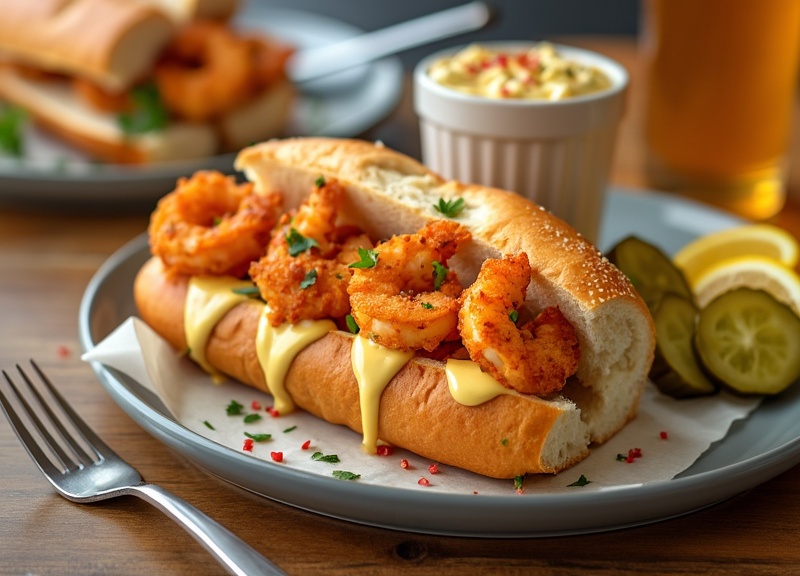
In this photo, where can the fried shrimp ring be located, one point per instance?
(304, 274)
(409, 300)
(535, 358)
(209, 225)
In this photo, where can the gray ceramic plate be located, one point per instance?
(755, 450)
(54, 173)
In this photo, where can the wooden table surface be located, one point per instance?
(46, 261)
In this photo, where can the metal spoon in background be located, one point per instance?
(315, 63)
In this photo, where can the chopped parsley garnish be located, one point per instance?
(582, 481)
(234, 408)
(320, 181)
(368, 259)
(351, 324)
(250, 418)
(247, 291)
(310, 279)
(427, 305)
(450, 208)
(290, 429)
(147, 114)
(299, 243)
(320, 457)
(504, 441)
(518, 480)
(345, 475)
(258, 437)
(208, 425)
(513, 316)
(12, 119)
(439, 275)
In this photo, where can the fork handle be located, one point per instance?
(231, 551)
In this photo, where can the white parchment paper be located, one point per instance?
(670, 434)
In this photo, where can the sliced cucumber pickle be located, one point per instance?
(749, 341)
(652, 273)
(676, 371)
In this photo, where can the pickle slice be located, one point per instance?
(676, 371)
(652, 273)
(749, 341)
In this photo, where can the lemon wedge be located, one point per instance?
(747, 240)
(756, 272)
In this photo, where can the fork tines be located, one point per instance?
(64, 436)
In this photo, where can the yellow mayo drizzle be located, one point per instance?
(469, 385)
(277, 348)
(207, 301)
(374, 366)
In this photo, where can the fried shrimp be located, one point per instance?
(209, 225)
(304, 273)
(407, 299)
(208, 70)
(535, 358)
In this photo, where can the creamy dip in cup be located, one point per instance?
(556, 151)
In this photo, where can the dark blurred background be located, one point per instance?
(516, 19)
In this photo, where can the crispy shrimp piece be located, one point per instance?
(535, 358)
(304, 274)
(409, 300)
(209, 225)
(207, 71)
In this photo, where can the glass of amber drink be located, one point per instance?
(721, 89)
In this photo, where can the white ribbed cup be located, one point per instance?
(557, 153)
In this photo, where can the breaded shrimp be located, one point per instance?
(535, 358)
(304, 273)
(408, 300)
(209, 225)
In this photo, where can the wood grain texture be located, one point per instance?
(46, 262)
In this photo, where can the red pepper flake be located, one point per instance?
(63, 351)
(306, 444)
(404, 464)
(664, 435)
(248, 445)
(433, 469)
(423, 481)
(384, 450)
(272, 411)
(276, 456)
(502, 60)
(255, 405)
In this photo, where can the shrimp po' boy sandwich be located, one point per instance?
(128, 81)
(462, 323)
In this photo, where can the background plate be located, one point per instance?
(755, 450)
(343, 105)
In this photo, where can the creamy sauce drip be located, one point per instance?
(471, 386)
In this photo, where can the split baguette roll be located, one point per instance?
(387, 194)
(124, 40)
(185, 10)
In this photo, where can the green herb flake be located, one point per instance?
(504, 441)
(368, 259)
(310, 279)
(580, 482)
(250, 418)
(12, 121)
(147, 114)
(450, 208)
(251, 291)
(258, 437)
(320, 181)
(439, 275)
(427, 305)
(290, 429)
(513, 316)
(351, 324)
(299, 243)
(518, 480)
(622, 457)
(320, 457)
(345, 475)
(208, 425)
(234, 408)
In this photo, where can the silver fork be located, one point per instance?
(84, 469)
